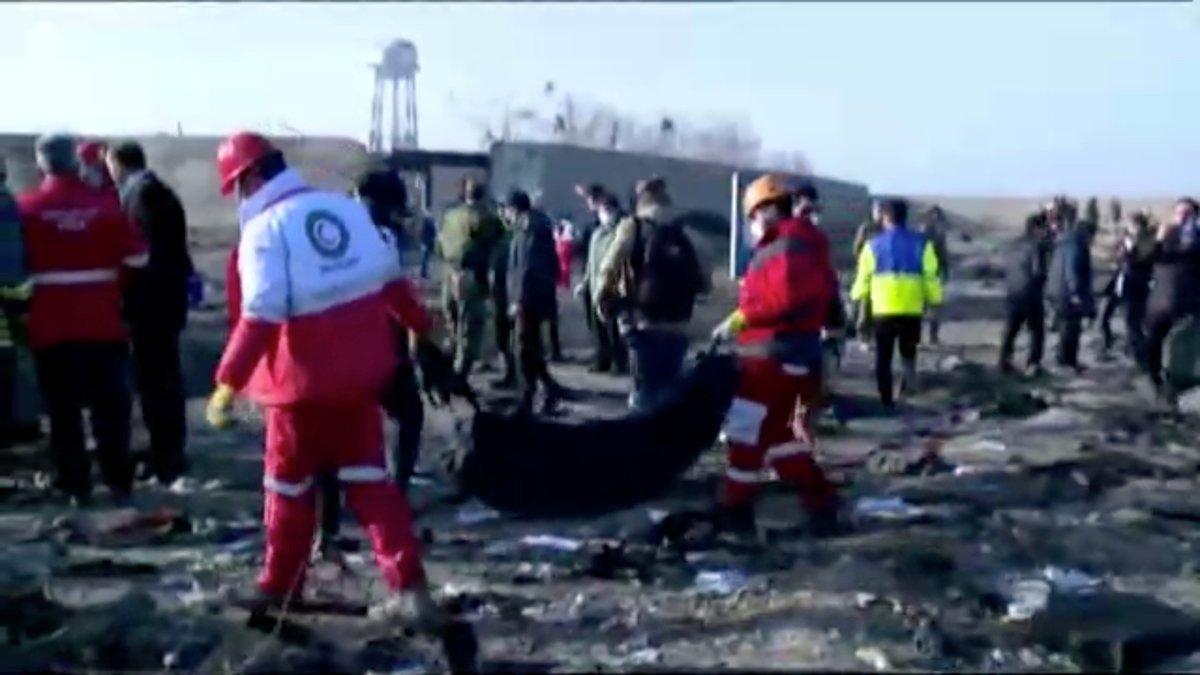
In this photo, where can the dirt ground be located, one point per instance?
(996, 524)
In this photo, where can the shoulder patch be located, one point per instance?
(328, 235)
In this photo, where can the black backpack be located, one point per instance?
(666, 272)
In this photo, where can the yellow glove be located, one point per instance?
(219, 406)
(730, 327)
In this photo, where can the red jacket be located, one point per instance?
(786, 292)
(79, 247)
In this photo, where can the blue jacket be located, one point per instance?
(12, 247)
(898, 272)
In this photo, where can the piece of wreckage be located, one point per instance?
(537, 467)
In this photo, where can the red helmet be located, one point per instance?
(238, 153)
(91, 153)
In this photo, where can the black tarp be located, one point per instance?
(547, 468)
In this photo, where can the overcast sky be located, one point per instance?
(966, 98)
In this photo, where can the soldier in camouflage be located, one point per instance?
(466, 240)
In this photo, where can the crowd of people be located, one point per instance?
(96, 255)
(640, 283)
(1157, 269)
(327, 333)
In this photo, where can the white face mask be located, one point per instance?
(756, 229)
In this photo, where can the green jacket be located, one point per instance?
(468, 236)
(602, 237)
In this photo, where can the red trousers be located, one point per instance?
(306, 439)
(565, 249)
(770, 422)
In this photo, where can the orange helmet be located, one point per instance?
(764, 189)
(238, 153)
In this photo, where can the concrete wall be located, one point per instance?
(188, 164)
(549, 173)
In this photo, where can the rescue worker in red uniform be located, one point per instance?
(313, 345)
(81, 251)
(782, 307)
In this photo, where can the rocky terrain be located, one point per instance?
(995, 525)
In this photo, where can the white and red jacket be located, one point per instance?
(319, 289)
(79, 246)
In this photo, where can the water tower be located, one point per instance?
(399, 68)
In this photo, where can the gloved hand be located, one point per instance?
(729, 328)
(219, 406)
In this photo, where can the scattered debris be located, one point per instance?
(552, 542)
(887, 508)
(476, 513)
(720, 582)
(873, 657)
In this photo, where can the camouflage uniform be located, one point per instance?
(466, 240)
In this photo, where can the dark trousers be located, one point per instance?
(159, 379)
(1158, 327)
(658, 357)
(426, 257)
(1030, 314)
(589, 313)
(8, 383)
(555, 344)
(93, 376)
(1134, 302)
(890, 330)
(1070, 329)
(502, 323)
(532, 355)
(402, 402)
(610, 347)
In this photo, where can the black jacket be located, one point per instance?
(1025, 269)
(1070, 275)
(532, 264)
(1176, 288)
(159, 293)
(1135, 268)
